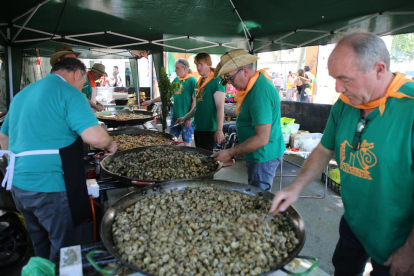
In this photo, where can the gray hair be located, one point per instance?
(70, 65)
(368, 47)
(184, 63)
(249, 66)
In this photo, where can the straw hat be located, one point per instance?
(60, 51)
(232, 60)
(99, 68)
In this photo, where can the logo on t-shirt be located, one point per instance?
(358, 162)
(179, 89)
(200, 95)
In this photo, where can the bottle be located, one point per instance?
(286, 133)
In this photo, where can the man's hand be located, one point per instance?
(283, 199)
(402, 261)
(99, 107)
(146, 103)
(219, 136)
(111, 149)
(179, 121)
(188, 123)
(223, 155)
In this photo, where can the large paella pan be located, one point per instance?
(120, 166)
(110, 223)
(125, 117)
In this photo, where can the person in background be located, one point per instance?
(258, 117)
(117, 77)
(209, 110)
(231, 93)
(290, 89)
(61, 52)
(89, 89)
(290, 74)
(300, 86)
(310, 84)
(45, 125)
(278, 82)
(127, 77)
(184, 101)
(376, 183)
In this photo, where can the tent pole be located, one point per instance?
(9, 66)
(151, 76)
(137, 81)
(26, 21)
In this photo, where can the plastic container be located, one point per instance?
(287, 120)
(307, 142)
(286, 133)
(294, 128)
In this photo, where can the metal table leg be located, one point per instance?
(281, 177)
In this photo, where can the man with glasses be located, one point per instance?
(370, 131)
(258, 117)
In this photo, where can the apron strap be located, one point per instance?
(8, 178)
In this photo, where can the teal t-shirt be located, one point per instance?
(183, 96)
(261, 106)
(47, 114)
(377, 181)
(205, 117)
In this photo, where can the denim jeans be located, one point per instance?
(48, 221)
(350, 258)
(186, 132)
(264, 171)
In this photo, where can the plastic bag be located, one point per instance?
(38, 266)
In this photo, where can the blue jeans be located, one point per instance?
(186, 132)
(48, 221)
(264, 171)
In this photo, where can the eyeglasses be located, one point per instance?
(225, 79)
(356, 142)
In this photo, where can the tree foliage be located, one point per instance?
(402, 48)
(167, 91)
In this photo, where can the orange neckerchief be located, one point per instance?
(209, 78)
(186, 77)
(242, 94)
(91, 80)
(398, 81)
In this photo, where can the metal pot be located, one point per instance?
(133, 131)
(131, 198)
(115, 123)
(140, 182)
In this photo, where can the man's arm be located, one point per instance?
(193, 103)
(402, 260)
(311, 169)
(187, 116)
(155, 100)
(4, 141)
(97, 137)
(260, 139)
(219, 101)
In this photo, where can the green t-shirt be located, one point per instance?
(261, 106)
(183, 97)
(87, 88)
(205, 117)
(47, 114)
(377, 182)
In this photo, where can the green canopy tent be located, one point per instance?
(110, 28)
